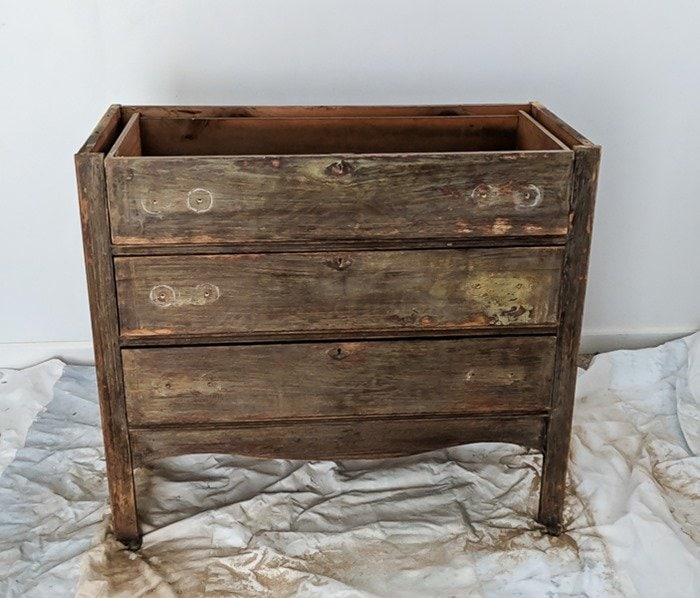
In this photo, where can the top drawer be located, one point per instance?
(264, 180)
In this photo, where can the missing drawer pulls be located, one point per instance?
(163, 295)
(155, 205)
(200, 200)
(523, 197)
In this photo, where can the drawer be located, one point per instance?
(228, 384)
(282, 294)
(268, 180)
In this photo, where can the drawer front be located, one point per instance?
(227, 384)
(279, 294)
(296, 198)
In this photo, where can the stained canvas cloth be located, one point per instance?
(448, 523)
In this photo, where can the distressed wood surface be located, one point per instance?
(374, 290)
(129, 141)
(337, 245)
(105, 133)
(532, 135)
(103, 311)
(322, 111)
(360, 439)
(558, 127)
(573, 290)
(194, 340)
(201, 200)
(329, 135)
(228, 384)
(295, 233)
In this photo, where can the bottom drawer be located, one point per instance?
(243, 383)
(362, 439)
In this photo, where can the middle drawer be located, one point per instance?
(286, 294)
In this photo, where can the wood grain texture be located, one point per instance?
(105, 133)
(360, 439)
(103, 309)
(202, 200)
(442, 271)
(446, 289)
(228, 384)
(329, 135)
(179, 340)
(573, 290)
(558, 127)
(129, 141)
(337, 245)
(531, 135)
(322, 111)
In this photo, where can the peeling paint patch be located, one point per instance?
(505, 299)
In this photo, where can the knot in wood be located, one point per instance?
(339, 168)
(339, 263)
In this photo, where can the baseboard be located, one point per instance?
(20, 355)
(602, 341)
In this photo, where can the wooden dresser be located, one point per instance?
(334, 282)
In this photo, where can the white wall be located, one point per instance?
(625, 73)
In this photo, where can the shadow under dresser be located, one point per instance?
(334, 282)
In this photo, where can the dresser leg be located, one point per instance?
(571, 296)
(92, 194)
(553, 489)
(123, 502)
(125, 520)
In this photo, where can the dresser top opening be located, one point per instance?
(178, 135)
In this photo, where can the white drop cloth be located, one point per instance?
(449, 523)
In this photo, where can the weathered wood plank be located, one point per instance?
(202, 200)
(363, 291)
(106, 131)
(573, 290)
(360, 439)
(331, 335)
(103, 310)
(316, 111)
(338, 245)
(558, 127)
(227, 384)
(531, 135)
(129, 141)
(328, 135)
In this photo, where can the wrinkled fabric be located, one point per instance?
(23, 395)
(451, 522)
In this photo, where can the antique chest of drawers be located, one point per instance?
(334, 282)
